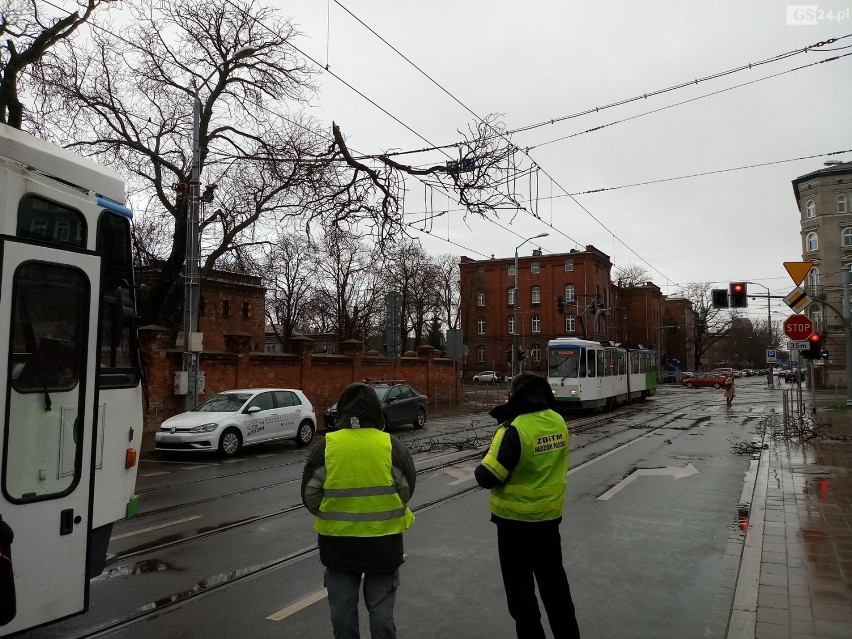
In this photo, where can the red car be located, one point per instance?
(704, 379)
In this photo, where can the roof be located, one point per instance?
(835, 169)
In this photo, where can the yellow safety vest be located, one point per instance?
(359, 493)
(535, 489)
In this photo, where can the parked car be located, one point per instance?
(701, 380)
(230, 420)
(401, 404)
(488, 376)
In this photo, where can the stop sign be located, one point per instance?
(798, 327)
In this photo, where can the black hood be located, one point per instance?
(530, 393)
(359, 407)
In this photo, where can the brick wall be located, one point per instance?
(321, 377)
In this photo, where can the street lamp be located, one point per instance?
(515, 305)
(769, 380)
(192, 284)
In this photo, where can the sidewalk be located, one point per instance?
(795, 578)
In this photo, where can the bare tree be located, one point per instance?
(28, 35)
(631, 275)
(290, 281)
(711, 324)
(447, 283)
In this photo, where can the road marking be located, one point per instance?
(613, 451)
(194, 467)
(144, 530)
(234, 461)
(268, 455)
(166, 461)
(162, 472)
(299, 605)
(676, 473)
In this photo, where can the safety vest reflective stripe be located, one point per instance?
(360, 492)
(513, 489)
(490, 460)
(528, 507)
(391, 514)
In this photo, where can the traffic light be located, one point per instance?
(739, 295)
(560, 305)
(521, 355)
(814, 347)
(720, 298)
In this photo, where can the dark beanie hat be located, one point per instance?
(359, 407)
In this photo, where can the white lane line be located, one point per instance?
(166, 461)
(196, 467)
(163, 472)
(144, 530)
(613, 451)
(299, 605)
(234, 461)
(268, 455)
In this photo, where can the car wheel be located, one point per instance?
(420, 420)
(305, 433)
(690, 385)
(717, 386)
(230, 442)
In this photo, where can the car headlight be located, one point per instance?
(204, 428)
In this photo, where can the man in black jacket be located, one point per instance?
(357, 481)
(525, 468)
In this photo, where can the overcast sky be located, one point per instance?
(536, 61)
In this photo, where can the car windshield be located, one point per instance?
(381, 391)
(223, 403)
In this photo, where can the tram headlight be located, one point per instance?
(574, 392)
(204, 428)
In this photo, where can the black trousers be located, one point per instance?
(530, 555)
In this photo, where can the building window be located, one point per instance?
(570, 324)
(510, 297)
(480, 272)
(246, 311)
(810, 209)
(511, 269)
(841, 204)
(812, 242)
(535, 295)
(535, 354)
(511, 324)
(480, 354)
(569, 292)
(846, 238)
(480, 297)
(569, 264)
(536, 324)
(813, 277)
(226, 309)
(535, 268)
(480, 326)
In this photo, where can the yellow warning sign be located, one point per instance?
(798, 270)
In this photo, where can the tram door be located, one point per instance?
(48, 320)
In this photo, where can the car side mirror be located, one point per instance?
(251, 410)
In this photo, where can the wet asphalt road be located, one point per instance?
(651, 541)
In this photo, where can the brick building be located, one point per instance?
(594, 309)
(580, 278)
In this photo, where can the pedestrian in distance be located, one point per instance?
(730, 393)
(526, 468)
(357, 482)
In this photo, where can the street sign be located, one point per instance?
(797, 299)
(798, 270)
(771, 356)
(798, 346)
(798, 327)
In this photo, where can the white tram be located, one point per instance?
(71, 398)
(587, 374)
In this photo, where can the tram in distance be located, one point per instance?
(71, 398)
(587, 374)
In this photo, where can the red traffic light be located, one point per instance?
(738, 288)
(815, 338)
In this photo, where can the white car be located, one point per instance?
(228, 421)
(487, 376)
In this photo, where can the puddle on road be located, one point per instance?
(144, 567)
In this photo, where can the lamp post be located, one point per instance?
(515, 305)
(769, 380)
(192, 284)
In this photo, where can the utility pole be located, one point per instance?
(191, 281)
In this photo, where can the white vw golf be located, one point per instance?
(233, 419)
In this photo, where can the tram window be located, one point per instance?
(622, 364)
(592, 362)
(118, 357)
(601, 363)
(42, 220)
(565, 362)
(48, 338)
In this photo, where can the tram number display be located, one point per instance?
(566, 351)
